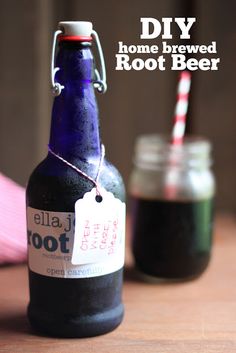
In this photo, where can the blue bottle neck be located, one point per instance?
(75, 125)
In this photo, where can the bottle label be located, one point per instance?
(87, 243)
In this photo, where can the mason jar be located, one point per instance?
(172, 190)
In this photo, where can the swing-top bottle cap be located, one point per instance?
(76, 30)
(81, 31)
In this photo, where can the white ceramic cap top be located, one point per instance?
(76, 28)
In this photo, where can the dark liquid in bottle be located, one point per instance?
(172, 239)
(73, 307)
(66, 307)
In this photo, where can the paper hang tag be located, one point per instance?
(99, 228)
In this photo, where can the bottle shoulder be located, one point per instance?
(112, 180)
(55, 186)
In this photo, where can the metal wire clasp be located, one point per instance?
(56, 86)
(100, 79)
(100, 82)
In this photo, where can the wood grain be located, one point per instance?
(197, 316)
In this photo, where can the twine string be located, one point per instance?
(94, 181)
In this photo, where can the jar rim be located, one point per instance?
(190, 142)
(153, 149)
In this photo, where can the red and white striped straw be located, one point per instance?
(181, 108)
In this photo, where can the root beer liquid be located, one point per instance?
(172, 191)
(75, 208)
(172, 239)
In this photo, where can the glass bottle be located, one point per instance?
(172, 189)
(68, 300)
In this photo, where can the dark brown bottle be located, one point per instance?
(69, 300)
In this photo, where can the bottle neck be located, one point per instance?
(75, 125)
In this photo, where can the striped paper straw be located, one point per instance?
(172, 176)
(181, 107)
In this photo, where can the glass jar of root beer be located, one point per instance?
(172, 189)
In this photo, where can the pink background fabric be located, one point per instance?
(13, 240)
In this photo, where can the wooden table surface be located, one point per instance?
(197, 316)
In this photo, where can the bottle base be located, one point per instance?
(74, 326)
